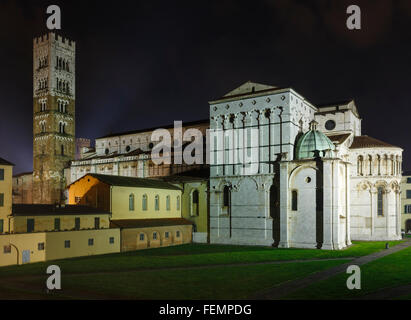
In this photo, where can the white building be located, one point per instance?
(311, 179)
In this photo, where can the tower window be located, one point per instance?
(62, 150)
(168, 203)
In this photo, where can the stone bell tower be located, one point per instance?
(53, 115)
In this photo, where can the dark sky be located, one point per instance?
(142, 64)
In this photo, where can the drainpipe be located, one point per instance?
(18, 253)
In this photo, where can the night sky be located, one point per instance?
(143, 64)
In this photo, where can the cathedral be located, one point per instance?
(318, 182)
(285, 173)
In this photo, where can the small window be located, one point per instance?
(66, 243)
(111, 240)
(409, 180)
(1, 199)
(294, 200)
(408, 194)
(178, 202)
(141, 236)
(30, 225)
(1, 225)
(131, 202)
(407, 208)
(91, 242)
(166, 235)
(7, 249)
(157, 203)
(62, 150)
(154, 235)
(57, 224)
(144, 204)
(40, 246)
(178, 234)
(168, 203)
(1, 174)
(77, 223)
(96, 223)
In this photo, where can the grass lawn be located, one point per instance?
(388, 272)
(189, 255)
(223, 282)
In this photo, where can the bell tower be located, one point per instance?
(53, 115)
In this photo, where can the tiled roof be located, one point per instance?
(51, 209)
(369, 142)
(131, 181)
(339, 138)
(5, 162)
(185, 124)
(146, 223)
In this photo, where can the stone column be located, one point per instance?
(284, 205)
(348, 204)
(374, 206)
(328, 205)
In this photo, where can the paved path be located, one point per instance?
(285, 288)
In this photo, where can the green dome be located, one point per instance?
(312, 141)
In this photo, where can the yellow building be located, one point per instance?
(148, 212)
(194, 201)
(406, 201)
(6, 174)
(26, 218)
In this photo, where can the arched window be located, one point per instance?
(60, 127)
(168, 203)
(379, 164)
(359, 165)
(380, 201)
(369, 165)
(294, 200)
(144, 202)
(131, 202)
(226, 196)
(157, 203)
(194, 203)
(62, 150)
(178, 203)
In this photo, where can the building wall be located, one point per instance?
(54, 245)
(67, 222)
(90, 192)
(23, 189)
(23, 242)
(373, 168)
(79, 243)
(130, 238)
(6, 190)
(120, 203)
(405, 201)
(197, 216)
